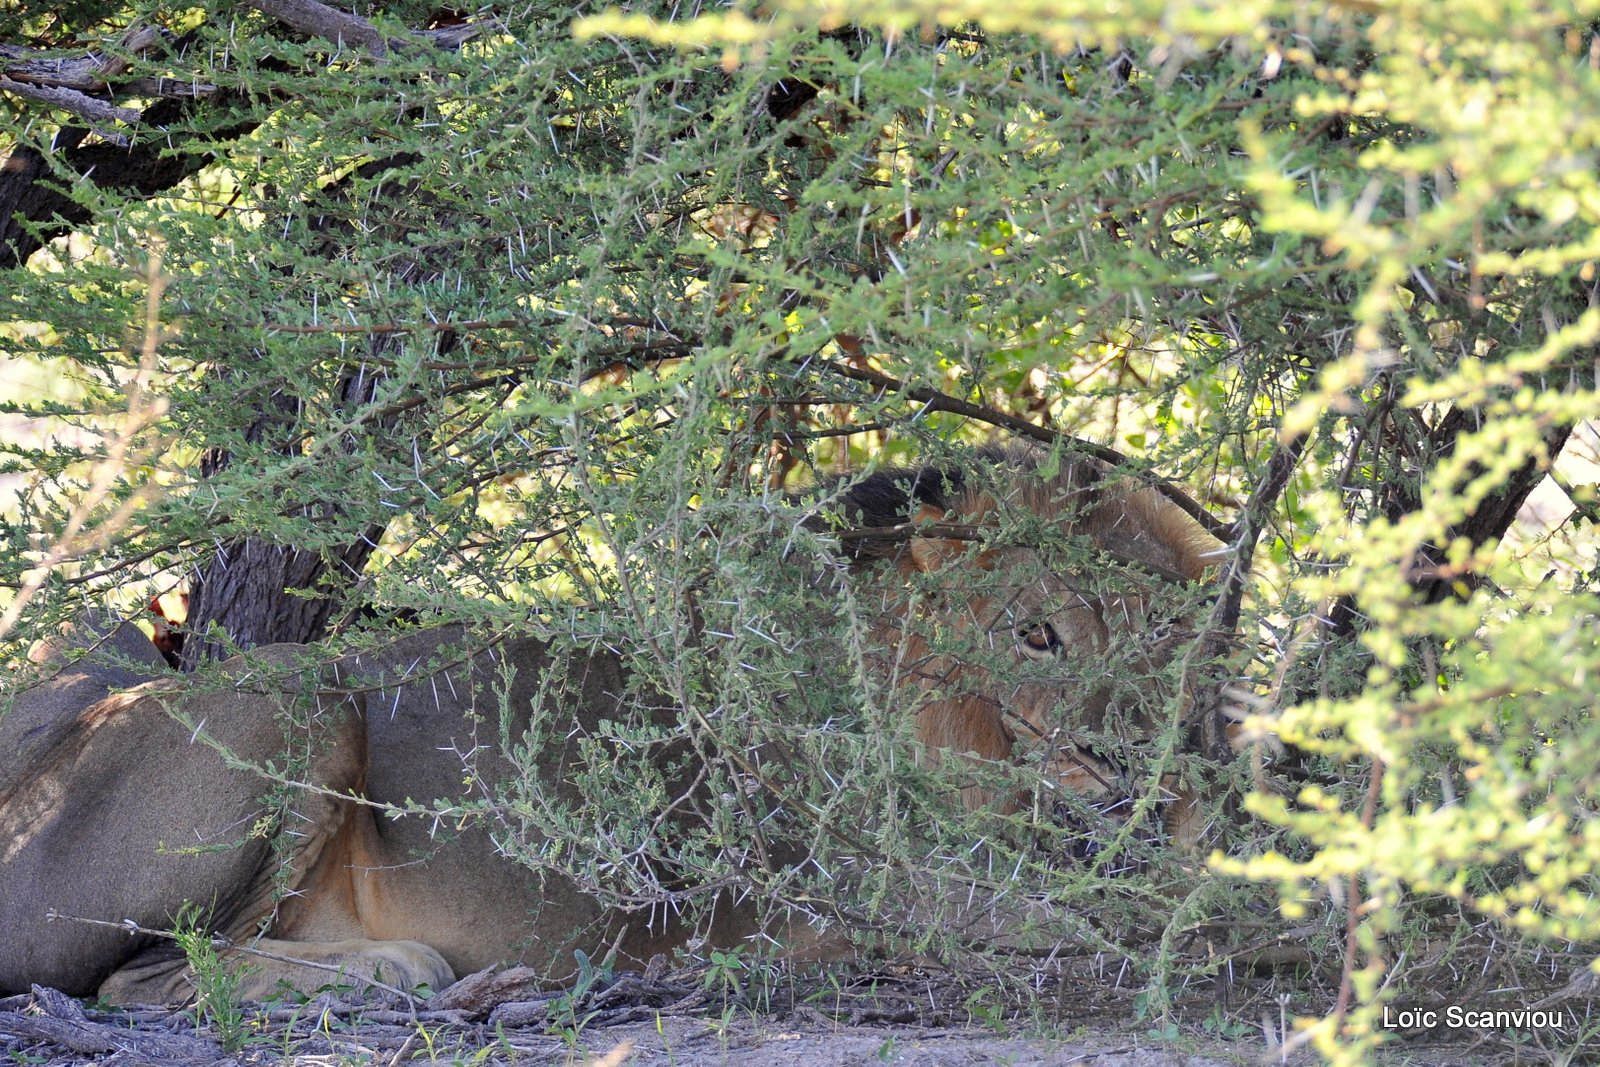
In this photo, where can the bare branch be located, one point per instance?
(1220, 628)
(96, 73)
(85, 107)
(320, 20)
(937, 401)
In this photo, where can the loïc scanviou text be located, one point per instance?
(1455, 1016)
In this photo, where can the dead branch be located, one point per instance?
(344, 28)
(1223, 623)
(91, 74)
(85, 107)
(89, 1039)
(320, 20)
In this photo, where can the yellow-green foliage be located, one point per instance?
(1473, 186)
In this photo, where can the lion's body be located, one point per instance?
(115, 810)
(89, 826)
(85, 664)
(366, 890)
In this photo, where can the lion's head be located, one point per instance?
(1047, 595)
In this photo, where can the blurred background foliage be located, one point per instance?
(468, 314)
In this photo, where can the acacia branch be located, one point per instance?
(84, 106)
(320, 20)
(344, 28)
(94, 73)
(938, 401)
(1223, 623)
(35, 208)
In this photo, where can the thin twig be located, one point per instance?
(1220, 628)
(938, 401)
(144, 409)
(1352, 920)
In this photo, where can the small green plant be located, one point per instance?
(1220, 1024)
(666, 1042)
(721, 1025)
(833, 987)
(983, 1006)
(564, 1018)
(724, 974)
(887, 1050)
(502, 1042)
(427, 1043)
(216, 981)
(1152, 1005)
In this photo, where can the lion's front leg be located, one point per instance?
(128, 814)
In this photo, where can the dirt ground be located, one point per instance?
(490, 1019)
(327, 1032)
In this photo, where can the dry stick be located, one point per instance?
(1353, 904)
(220, 942)
(937, 401)
(92, 1039)
(405, 1047)
(320, 20)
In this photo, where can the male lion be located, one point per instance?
(120, 815)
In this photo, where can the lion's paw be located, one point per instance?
(308, 966)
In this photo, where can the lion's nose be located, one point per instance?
(1086, 830)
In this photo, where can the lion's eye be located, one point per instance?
(1040, 640)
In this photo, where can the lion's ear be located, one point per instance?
(929, 554)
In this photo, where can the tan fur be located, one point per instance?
(89, 821)
(88, 661)
(367, 894)
(961, 710)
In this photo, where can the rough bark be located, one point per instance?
(243, 587)
(36, 208)
(1488, 522)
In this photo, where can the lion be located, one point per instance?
(126, 813)
(1050, 617)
